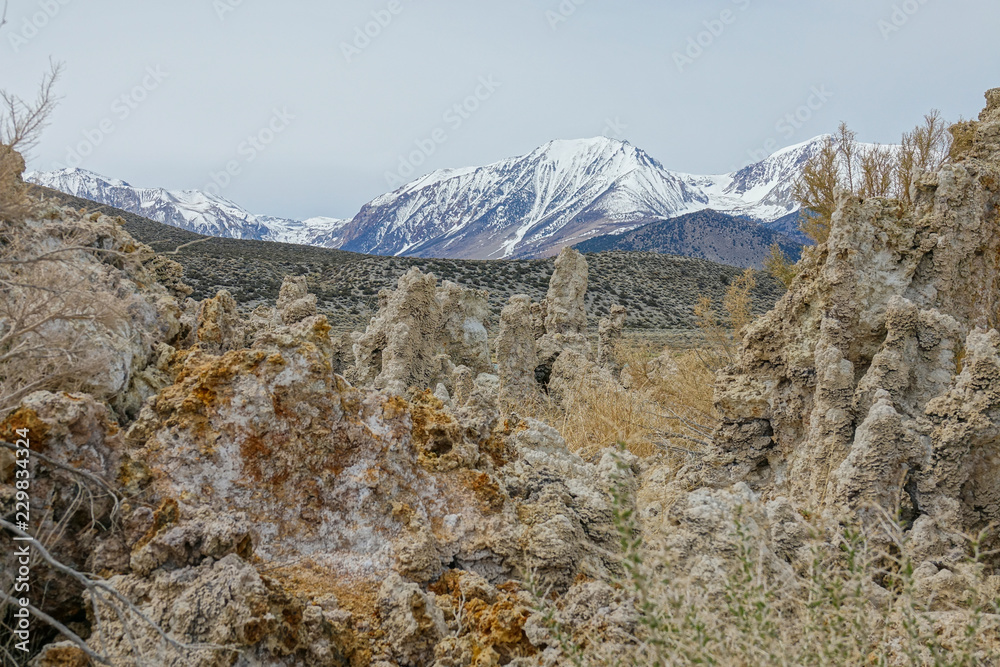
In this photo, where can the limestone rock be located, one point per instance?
(203, 535)
(420, 333)
(609, 335)
(538, 311)
(463, 312)
(61, 654)
(263, 320)
(111, 292)
(593, 609)
(412, 622)
(565, 313)
(516, 358)
(573, 372)
(220, 327)
(874, 380)
(295, 303)
(565, 502)
(565, 309)
(75, 432)
(222, 603)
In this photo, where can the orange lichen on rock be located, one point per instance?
(167, 514)
(24, 418)
(492, 618)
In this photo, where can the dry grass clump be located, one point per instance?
(666, 406)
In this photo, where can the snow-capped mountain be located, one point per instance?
(763, 190)
(191, 209)
(560, 194)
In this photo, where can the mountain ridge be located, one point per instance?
(705, 234)
(562, 193)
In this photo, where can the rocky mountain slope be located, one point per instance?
(522, 207)
(560, 194)
(660, 291)
(193, 210)
(706, 234)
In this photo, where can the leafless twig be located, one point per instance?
(63, 630)
(105, 594)
(74, 471)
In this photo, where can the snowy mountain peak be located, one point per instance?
(193, 210)
(563, 192)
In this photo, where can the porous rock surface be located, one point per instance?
(516, 354)
(420, 333)
(871, 391)
(565, 309)
(874, 381)
(278, 514)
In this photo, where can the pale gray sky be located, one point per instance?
(168, 93)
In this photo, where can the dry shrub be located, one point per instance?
(49, 301)
(778, 264)
(868, 171)
(850, 598)
(49, 311)
(592, 417)
(21, 124)
(666, 409)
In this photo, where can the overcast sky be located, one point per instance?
(312, 116)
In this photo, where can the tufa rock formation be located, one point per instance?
(565, 311)
(516, 354)
(609, 335)
(874, 382)
(278, 515)
(420, 333)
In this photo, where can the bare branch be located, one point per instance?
(74, 471)
(23, 121)
(97, 587)
(63, 630)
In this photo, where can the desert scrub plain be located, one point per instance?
(221, 485)
(659, 291)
